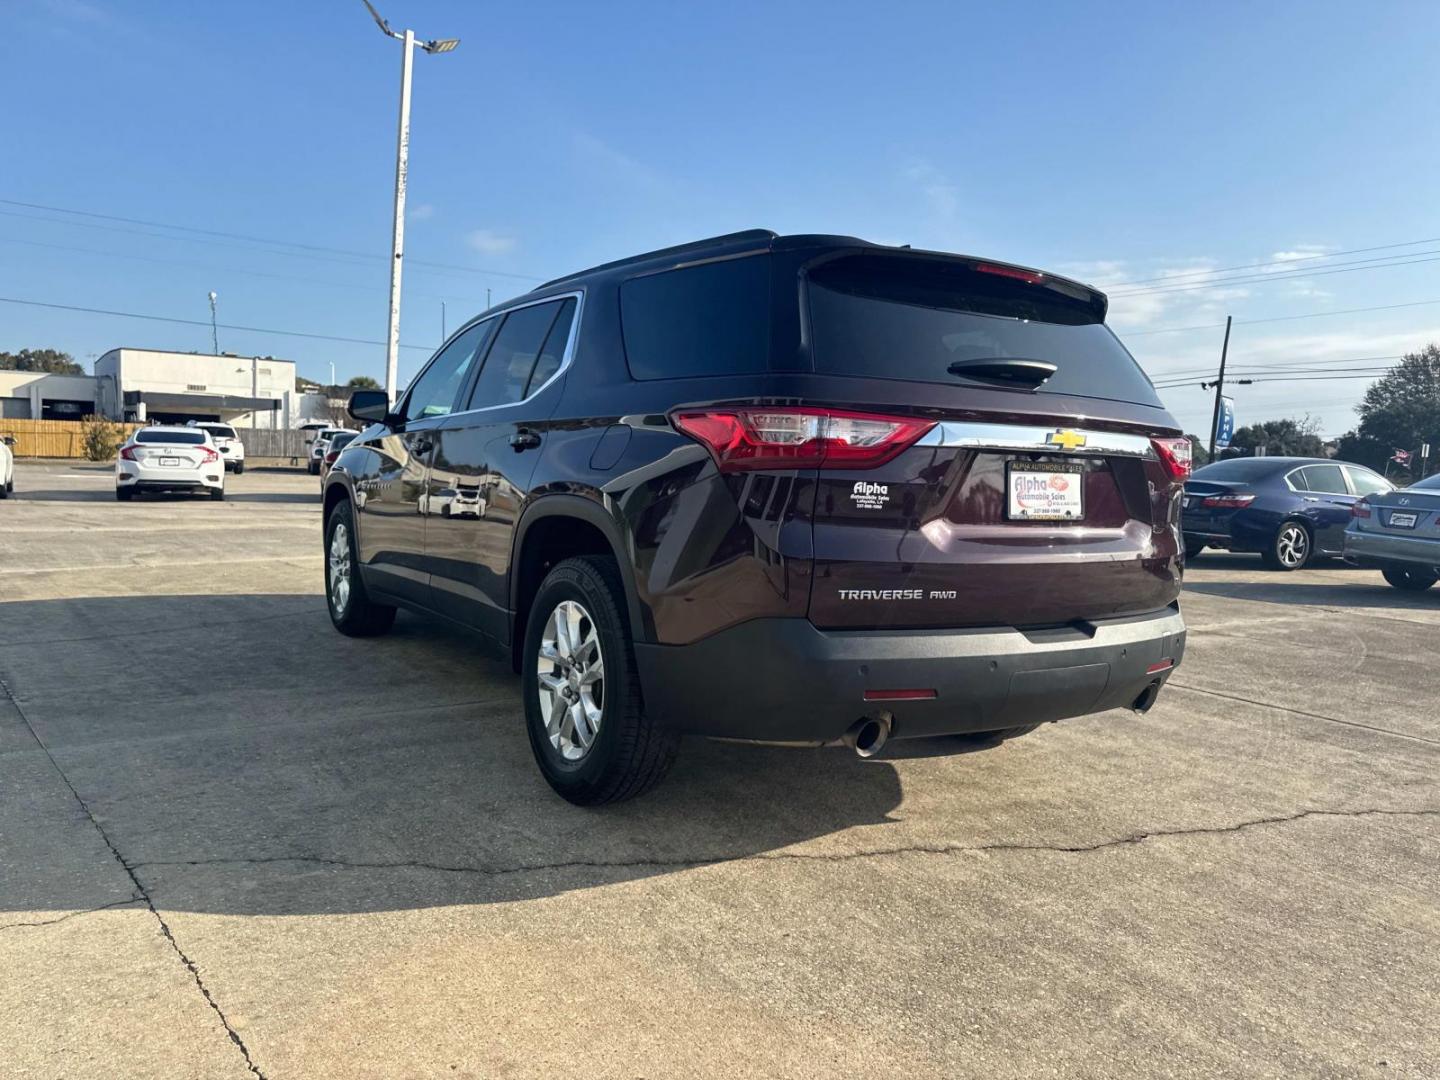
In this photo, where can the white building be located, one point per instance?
(35, 395)
(172, 387)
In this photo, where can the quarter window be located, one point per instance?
(552, 355)
(435, 391)
(507, 368)
(711, 319)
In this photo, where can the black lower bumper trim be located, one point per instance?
(784, 680)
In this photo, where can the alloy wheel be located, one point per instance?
(570, 680)
(340, 568)
(1292, 545)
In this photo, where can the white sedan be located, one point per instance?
(7, 466)
(169, 459)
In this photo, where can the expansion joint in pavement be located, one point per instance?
(142, 894)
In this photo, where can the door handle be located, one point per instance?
(525, 439)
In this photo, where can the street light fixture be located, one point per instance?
(402, 167)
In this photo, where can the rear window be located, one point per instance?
(337, 441)
(219, 431)
(1430, 483)
(1245, 469)
(174, 438)
(897, 318)
(711, 319)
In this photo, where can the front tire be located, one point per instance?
(1291, 547)
(1193, 548)
(239, 467)
(584, 712)
(351, 610)
(1409, 580)
(314, 468)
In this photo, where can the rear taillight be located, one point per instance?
(331, 456)
(1228, 502)
(208, 455)
(1174, 454)
(1360, 509)
(742, 439)
(128, 453)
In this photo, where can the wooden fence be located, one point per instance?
(66, 439)
(50, 438)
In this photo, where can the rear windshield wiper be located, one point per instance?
(1005, 370)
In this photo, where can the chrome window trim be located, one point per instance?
(1035, 439)
(570, 345)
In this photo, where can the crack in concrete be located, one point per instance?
(797, 856)
(1301, 712)
(73, 914)
(144, 894)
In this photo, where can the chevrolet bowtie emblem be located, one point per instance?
(1065, 439)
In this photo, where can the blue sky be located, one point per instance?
(1115, 142)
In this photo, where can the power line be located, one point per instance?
(1282, 275)
(1280, 318)
(203, 322)
(310, 250)
(1275, 262)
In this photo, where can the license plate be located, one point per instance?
(1191, 501)
(1045, 492)
(170, 461)
(1403, 521)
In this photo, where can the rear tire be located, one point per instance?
(239, 467)
(217, 494)
(1409, 580)
(628, 751)
(352, 611)
(6, 488)
(314, 468)
(123, 494)
(1291, 548)
(1193, 549)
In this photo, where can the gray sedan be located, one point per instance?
(1398, 533)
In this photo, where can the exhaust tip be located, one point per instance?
(1146, 700)
(868, 737)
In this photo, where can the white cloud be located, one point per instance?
(490, 242)
(608, 162)
(940, 193)
(420, 211)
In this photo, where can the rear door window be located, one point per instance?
(892, 317)
(1324, 479)
(710, 319)
(507, 368)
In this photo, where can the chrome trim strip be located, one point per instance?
(1035, 439)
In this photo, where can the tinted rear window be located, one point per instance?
(898, 318)
(218, 432)
(337, 441)
(174, 438)
(711, 319)
(1236, 469)
(1430, 483)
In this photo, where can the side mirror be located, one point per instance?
(371, 406)
(9, 440)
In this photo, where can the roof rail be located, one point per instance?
(679, 249)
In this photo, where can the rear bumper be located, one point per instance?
(784, 680)
(1381, 550)
(131, 476)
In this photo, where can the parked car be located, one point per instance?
(792, 490)
(169, 459)
(319, 446)
(1288, 509)
(7, 466)
(333, 445)
(232, 450)
(1398, 533)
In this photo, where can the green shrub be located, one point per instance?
(101, 438)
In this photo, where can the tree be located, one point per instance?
(1400, 411)
(100, 438)
(1280, 438)
(1199, 455)
(362, 382)
(49, 361)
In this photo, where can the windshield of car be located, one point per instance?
(174, 438)
(914, 319)
(1236, 469)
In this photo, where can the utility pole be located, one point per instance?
(214, 333)
(442, 321)
(255, 391)
(1219, 389)
(402, 169)
(487, 299)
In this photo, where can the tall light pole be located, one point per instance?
(402, 168)
(214, 333)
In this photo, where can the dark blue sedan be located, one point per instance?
(1290, 510)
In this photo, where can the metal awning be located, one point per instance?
(202, 402)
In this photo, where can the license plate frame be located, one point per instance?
(1048, 501)
(1402, 519)
(170, 462)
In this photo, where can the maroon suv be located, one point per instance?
(796, 489)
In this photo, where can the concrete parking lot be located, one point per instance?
(234, 843)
